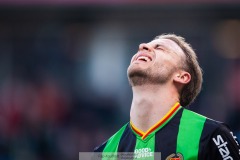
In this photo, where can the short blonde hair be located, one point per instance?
(190, 91)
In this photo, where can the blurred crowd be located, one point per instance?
(47, 108)
(40, 120)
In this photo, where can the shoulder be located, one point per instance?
(210, 126)
(214, 127)
(113, 140)
(217, 141)
(218, 131)
(192, 121)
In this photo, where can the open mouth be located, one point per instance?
(144, 59)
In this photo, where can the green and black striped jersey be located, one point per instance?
(180, 134)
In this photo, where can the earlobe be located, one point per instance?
(183, 77)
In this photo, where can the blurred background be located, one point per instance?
(63, 81)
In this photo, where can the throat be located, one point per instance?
(144, 128)
(145, 114)
(150, 104)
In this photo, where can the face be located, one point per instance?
(155, 62)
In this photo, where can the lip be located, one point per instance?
(143, 54)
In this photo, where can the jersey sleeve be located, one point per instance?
(223, 145)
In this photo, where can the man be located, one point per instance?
(165, 77)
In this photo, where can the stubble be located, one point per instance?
(151, 76)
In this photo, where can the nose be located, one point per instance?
(145, 46)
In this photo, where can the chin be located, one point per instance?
(137, 77)
(135, 71)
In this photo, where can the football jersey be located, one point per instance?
(180, 134)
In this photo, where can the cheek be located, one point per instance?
(166, 65)
(165, 60)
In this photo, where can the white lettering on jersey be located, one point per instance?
(142, 153)
(222, 147)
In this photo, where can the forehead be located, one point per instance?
(168, 44)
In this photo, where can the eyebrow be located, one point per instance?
(161, 45)
(165, 48)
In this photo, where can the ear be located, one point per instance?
(182, 77)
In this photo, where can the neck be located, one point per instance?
(150, 103)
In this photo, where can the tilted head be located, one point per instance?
(158, 61)
(191, 65)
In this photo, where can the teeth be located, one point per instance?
(143, 58)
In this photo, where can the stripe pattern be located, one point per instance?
(189, 134)
(179, 131)
(166, 138)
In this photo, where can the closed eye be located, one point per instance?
(163, 48)
(160, 47)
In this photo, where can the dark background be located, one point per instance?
(63, 81)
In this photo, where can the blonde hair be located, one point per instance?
(190, 91)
